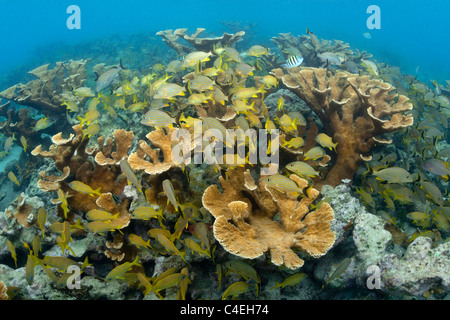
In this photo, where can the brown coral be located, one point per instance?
(46, 93)
(148, 159)
(354, 111)
(200, 44)
(245, 224)
(3, 291)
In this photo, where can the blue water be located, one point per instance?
(413, 33)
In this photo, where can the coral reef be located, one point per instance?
(52, 86)
(249, 231)
(354, 110)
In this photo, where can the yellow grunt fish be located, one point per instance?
(84, 188)
(100, 215)
(42, 218)
(12, 250)
(168, 245)
(138, 241)
(146, 213)
(290, 281)
(236, 289)
(128, 172)
(119, 271)
(13, 178)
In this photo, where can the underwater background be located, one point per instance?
(359, 205)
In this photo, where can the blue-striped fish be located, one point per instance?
(157, 118)
(200, 83)
(293, 61)
(168, 91)
(282, 183)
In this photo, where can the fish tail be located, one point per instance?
(97, 191)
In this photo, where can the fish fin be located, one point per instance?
(121, 65)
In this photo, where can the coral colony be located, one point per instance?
(196, 168)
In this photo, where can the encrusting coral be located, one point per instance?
(354, 111)
(245, 224)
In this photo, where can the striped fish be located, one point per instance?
(168, 91)
(282, 183)
(293, 61)
(105, 79)
(170, 193)
(157, 118)
(200, 83)
(128, 172)
(145, 213)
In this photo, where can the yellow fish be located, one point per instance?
(247, 93)
(84, 92)
(170, 193)
(119, 271)
(199, 98)
(169, 281)
(42, 124)
(29, 268)
(42, 218)
(100, 227)
(168, 245)
(71, 106)
(287, 124)
(290, 281)
(393, 175)
(146, 213)
(314, 153)
(202, 231)
(189, 121)
(13, 178)
(12, 250)
(92, 130)
(195, 247)
(295, 143)
(257, 51)
(128, 172)
(100, 215)
(169, 91)
(157, 119)
(282, 183)
(138, 241)
(236, 289)
(60, 263)
(240, 106)
(253, 119)
(326, 141)
(181, 294)
(269, 81)
(193, 58)
(62, 200)
(89, 117)
(84, 188)
(24, 142)
(302, 169)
